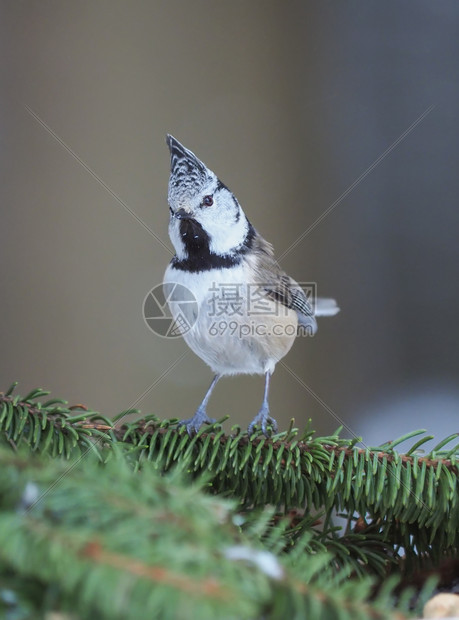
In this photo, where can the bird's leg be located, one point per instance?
(200, 417)
(263, 418)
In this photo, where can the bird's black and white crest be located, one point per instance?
(188, 173)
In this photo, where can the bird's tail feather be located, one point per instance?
(326, 307)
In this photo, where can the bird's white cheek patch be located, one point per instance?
(223, 238)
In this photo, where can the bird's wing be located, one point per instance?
(286, 291)
(282, 288)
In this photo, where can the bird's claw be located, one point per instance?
(262, 419)
(193, 424)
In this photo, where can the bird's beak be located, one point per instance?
(181, 214)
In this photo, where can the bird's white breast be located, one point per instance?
(229, 332)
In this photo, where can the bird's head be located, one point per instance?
(205, 216)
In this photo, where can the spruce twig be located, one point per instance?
(401, 509)
(110, 544)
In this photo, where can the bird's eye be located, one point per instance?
(207, 201)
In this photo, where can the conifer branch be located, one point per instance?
(102, 546)
(402, 510)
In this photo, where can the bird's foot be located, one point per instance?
(262, 419)
(193, 424)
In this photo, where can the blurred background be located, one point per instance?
(336, 122)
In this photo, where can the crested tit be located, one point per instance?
(219, 251)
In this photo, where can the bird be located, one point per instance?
(246, 311)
